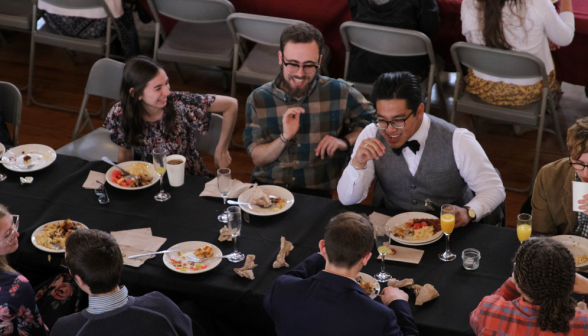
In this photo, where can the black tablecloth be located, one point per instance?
(57, 194)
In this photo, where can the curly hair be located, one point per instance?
(545, 271)
(578, 138)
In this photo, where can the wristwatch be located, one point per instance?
(471, 212)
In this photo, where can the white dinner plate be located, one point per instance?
(376, 284)
(126, 166)
(576, 244)
(402, 218)
(40, 228)
(41, 157)
(188, 248)
(2, 150)
(271, 190)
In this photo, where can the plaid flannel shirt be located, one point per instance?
(333, 107)
(505, 313)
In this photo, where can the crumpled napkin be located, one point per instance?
(237, 187)
(225, 234)
(247, 270)
(285, 248)
(92, 178)
(137, 241)
(424, 293)
(401, 283)
(259, 197)
(582, 306)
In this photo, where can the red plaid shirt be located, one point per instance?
(505, 313)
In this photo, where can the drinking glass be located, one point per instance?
(471, 259)
(160, 162)
(224, 181)
(447, 224)
(234, 222)
(382, 237)
(524, 227)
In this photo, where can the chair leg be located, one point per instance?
(226, 81)
(556, 123)
(31, 67)
(441, 95)
(455, 99)
(177, 66)
(81, 118)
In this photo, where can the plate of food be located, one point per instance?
(369, 284)
(51, 237)
(415, 228)
(578, 247)
(178, 261)
(145, 172)
(266, 200)
(28, 158)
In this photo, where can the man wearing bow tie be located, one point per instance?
(415, 156)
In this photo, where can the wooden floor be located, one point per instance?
(60, 80)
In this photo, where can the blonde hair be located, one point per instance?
(4, 267)
(578, 138)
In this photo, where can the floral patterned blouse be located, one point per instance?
(192, 116)
(19, 314)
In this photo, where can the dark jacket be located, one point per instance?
(307, 301)
(420, 15)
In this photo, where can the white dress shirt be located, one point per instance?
(98, 12)
(471, 160)
(540, 21)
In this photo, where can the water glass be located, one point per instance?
(447, 224)
(524, 226)
(224, 182)
(160, 165)
(234, 222)
(471, 259)
(382, 243)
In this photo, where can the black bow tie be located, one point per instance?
(412, 144)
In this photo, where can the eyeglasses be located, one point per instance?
(577, 165)
(9, 236)
(398, 123)
(308, 69)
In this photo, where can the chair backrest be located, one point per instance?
(207, 143)
(258, 28)
(105, 79)
(497, 62)
(11, 106)
(195, 11)
(75, 4)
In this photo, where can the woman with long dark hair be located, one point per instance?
(536, 300)
(149, 115)
(521, 25)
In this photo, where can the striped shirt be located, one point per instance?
(103, 304)
(506, 313)
(333, 107)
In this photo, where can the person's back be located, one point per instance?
(419, 15)
(151, 314)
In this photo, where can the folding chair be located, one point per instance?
(261, 65)
(201, 37)
(390, 41)
(46, 35)
(11, 107)
(504, 64)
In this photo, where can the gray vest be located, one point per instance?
(437, 177)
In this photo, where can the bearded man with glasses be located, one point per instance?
(415, 156)
(552, 199)
(300, 126)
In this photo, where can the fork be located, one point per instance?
(124, 172)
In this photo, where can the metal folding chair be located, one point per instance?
(504, 64)
(390, 41)
(201, 37)
(11, 107)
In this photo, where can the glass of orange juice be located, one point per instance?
(381, 232)
(160, 165)
(447, 224)
(524, 227)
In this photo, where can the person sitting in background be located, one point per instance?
(95, 261)
(553, 212)
(419, 15)
(299, 127)
(149, 115)
(536, 300)
(320, 296)
(19, 314)
(415, 156)
(519, 25)
(91, 23)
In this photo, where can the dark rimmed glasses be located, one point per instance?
(397, 123)
(9, 236)
(577, 166)
(308, 69)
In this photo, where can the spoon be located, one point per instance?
(124, 172)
